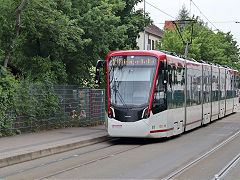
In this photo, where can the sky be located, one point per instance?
(221, 13)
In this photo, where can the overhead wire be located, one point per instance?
(226, 22)
(203, 14)
(160, 10)
(213, 22)
(192, 2)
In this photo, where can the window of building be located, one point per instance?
(149, 44)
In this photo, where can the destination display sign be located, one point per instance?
(132, 60)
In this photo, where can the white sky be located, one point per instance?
(217, 11)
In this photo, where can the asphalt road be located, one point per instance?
(210, 166)
(140, 158)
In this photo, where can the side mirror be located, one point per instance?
(100, 64)
(164, 77)
(164, 72)
(97, 76)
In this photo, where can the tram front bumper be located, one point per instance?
(128, 129)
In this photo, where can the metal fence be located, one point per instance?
(75, 107)
(84, 106)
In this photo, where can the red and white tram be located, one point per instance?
(159, 94)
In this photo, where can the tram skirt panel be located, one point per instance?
(194, 117)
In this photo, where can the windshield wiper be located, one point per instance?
(119, 95)
(122, 100)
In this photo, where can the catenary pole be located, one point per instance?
(144, 41)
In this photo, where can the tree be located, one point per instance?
(230, 49)
(183, 14)
(47, 35)
(207, 46)
(7, 28)
(135, 22)
(11, 46)
(110, 25)
(62, 40)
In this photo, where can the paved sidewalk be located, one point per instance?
(26, 147)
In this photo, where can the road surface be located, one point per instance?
(141, 158)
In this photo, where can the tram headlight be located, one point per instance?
(146, 113)
(110, 113)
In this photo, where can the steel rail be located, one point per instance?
(89, 162)
(180, 170)
(227, 168)
(61, 159)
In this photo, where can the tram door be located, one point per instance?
(194, 97)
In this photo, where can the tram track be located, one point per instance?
(61, 159)
(111, 143)
(218, 176)
(221, 173)
(89, 162)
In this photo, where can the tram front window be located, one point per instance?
(130, 80)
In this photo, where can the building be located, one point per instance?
(153, 35)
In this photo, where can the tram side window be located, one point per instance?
(170, 87)
(228, 86)
(236, 87)
(207, 87)
(189, 89)
(232, 86)
(215, 87)
(175, 94)
(194, 87)
(179, 88)
(159, 100)
(199, 86)
(222, 86)
(237, 84)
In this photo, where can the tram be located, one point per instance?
(156, 94)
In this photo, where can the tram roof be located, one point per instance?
(158, 53)
(155, 53)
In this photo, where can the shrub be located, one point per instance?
(9, 87)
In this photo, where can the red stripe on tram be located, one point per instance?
(193, 122)
(162, 130)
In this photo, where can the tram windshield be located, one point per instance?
(130, 80)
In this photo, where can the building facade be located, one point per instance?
(152, 36)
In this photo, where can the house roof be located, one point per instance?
(169, 25)
(154, 30)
